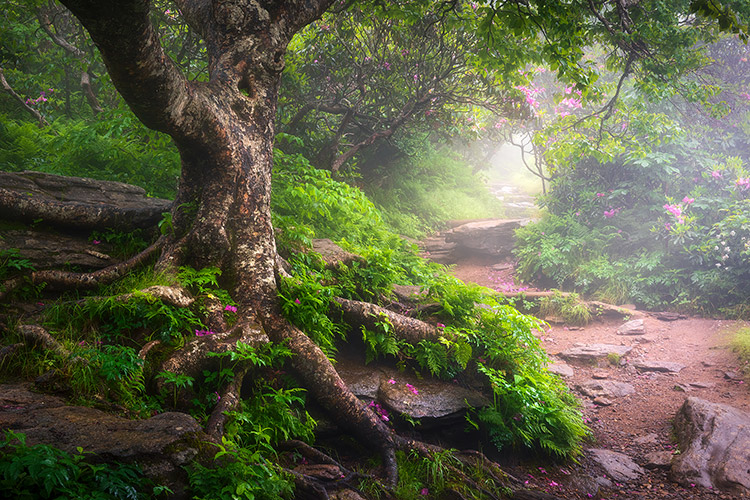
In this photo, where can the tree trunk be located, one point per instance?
(224, 131)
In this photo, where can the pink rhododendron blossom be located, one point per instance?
(687, 200)
(717, 174)
(675, 210)
(743, 183)
(230, 308)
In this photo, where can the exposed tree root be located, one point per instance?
(323, 381)
(171, 295)
(56, 279)
(8, 350)
(229, 401)
(34, 334)
(409, 329)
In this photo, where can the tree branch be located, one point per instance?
(6, 86)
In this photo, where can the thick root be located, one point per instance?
(324, 383)
(36, 335)
(406, 328)
(67, 280)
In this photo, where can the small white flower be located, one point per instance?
(718, 264)
(723, 243)
(732, 233)
(724, 257)
(716, 248)
(726, 249)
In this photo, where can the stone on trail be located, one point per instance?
(658, 460)
(658, 366)
(634, 327)
(714, 441)
(618, 466)
(592, 353)
(608, 389)
(562, 369)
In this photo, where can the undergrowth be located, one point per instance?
(44, 472)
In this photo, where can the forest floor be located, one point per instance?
(639, 423)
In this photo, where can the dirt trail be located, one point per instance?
(639, 423)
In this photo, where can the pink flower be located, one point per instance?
(675, 210)
(296, 301)
(424, 492)
(230, 308)
(218, 398)
(440, 325)
(687, 200)
(96, 242)
(412, 388)
(599, 195)
(391, 381)
(716, 174)
(743, 183)
(610, 213)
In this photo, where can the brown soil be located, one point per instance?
(701, 344)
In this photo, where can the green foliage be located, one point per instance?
(334, 209)
(534, 409)
(124, 245)
(611, 232)
(75, 148)
(243, 468)
(12, 264)
(178, 381)
(45, 472)
(427, 189)
(239, 473)
(741, 345)
(569, 307)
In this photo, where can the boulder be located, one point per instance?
(494, 238)
(434, 403)
(618, 466)
(161, 445)
(77, 201)
(714, 441)
(47, 249)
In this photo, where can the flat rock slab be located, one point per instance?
(714, 441)
(161, 445)
(635, 327)
(618, 466)
(562, 369)
(658, 366)
(50, 250)
(592, 353)
(605, 388)
(19, 189)
(488, 237)
(435, 403)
